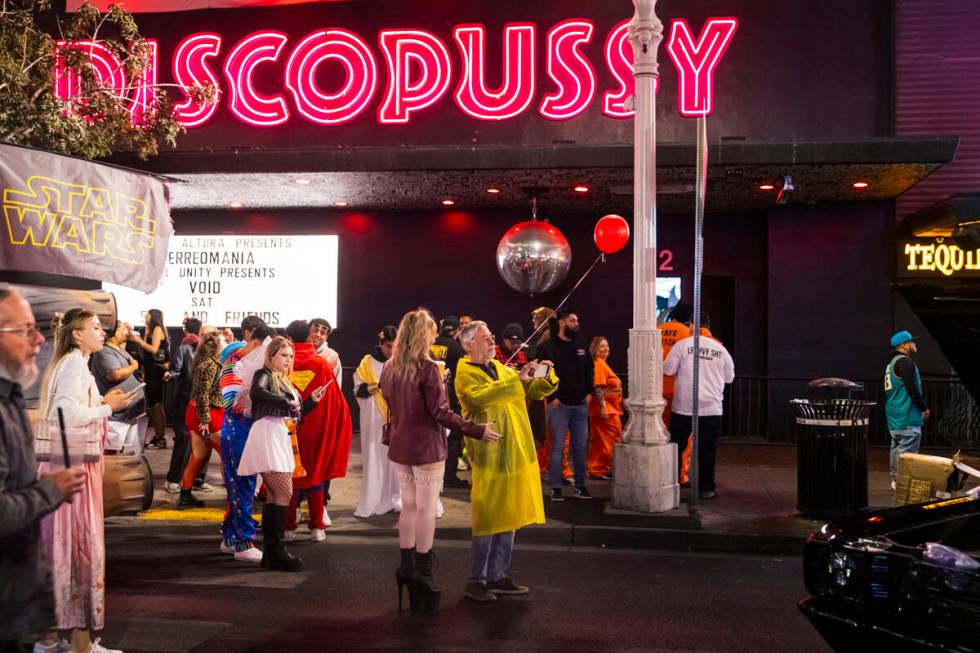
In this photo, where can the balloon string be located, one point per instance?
(601, 257)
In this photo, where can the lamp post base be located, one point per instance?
(645, 477)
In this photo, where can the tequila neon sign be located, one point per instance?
(939, 256)
(418, 69)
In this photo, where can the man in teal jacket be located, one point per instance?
(904, 407)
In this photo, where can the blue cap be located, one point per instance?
(901, 338)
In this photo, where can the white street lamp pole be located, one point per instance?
(645, 469)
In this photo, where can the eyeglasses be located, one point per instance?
(27, 332)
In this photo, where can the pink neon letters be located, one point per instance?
(419, 67)
(360, 70)
(696, 62)
(517, 90)
(409, 90)
(246, 102)
(191, 69)
(569, 69)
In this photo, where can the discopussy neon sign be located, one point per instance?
(419, 72)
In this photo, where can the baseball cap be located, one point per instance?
(512, 331)
(449, 324)
(901, 338)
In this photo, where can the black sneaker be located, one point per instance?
(478, 592)
(707, 494)
(556, 494)
(506, 586)
(188, 500)
(581, 493)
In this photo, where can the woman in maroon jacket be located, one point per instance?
(419, 413)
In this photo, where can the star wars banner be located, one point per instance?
(82, 219)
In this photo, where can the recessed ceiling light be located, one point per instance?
(493, 191)
(581, 189)
(860, 184)
(236, 205)
(766, 187)
(341, 204)
(302, 181)
(447, 202)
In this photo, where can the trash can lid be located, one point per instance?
(835, 383)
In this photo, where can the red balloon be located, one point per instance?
(611, 233)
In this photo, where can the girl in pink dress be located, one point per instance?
(72, 537)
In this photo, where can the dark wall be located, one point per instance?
(830, 297)
(795, 69)
(391, 262)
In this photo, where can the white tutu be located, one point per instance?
(268, 448)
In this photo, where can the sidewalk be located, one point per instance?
(754, 512)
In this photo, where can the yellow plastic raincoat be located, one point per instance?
(506, 491)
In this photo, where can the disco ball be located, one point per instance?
(533, 257)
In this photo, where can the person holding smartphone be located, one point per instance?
(506, 492)
(113, 368)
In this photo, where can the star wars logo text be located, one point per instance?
(95, 221)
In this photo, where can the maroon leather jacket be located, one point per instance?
(419, 412)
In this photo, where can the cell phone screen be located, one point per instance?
(541, 371)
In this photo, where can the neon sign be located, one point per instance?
(922, 257)
(418, 70)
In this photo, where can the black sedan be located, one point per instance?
(907, 578)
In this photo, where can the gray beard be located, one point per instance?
(25, 375)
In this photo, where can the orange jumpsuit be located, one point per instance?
(605, 431)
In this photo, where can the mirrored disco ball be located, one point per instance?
(533, 257)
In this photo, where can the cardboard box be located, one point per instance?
(924, 478)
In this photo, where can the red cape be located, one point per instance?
(325, 432)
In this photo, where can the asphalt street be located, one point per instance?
(170, 589)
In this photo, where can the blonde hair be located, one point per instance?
(413, 344)
(280, 382)
(62, 327)
(594, 345)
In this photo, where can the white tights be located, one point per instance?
(420, 487)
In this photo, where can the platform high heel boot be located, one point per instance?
(429, 592)
(405, 578)
(280, 558)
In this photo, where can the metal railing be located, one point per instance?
(757, 406)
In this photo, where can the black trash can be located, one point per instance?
(832, 450)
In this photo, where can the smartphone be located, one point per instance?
(541, 371)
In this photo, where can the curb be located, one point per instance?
(620, 537)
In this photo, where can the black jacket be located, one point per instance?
(266, 402)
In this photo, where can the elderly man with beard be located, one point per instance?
(26, 592)
(506, 492)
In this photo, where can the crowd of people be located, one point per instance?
(433, 399)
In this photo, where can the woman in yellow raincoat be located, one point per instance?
(506, 491)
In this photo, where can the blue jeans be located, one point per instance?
(903, 441)
(491, 557)
(564, 418)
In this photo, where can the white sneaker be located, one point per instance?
(289, 536)
(440, 510)
(224, 548)
(203, 487)
(250, 554)
(317, 535)
(61, 646)
(326, 518)
(172, 488)
(98, 648)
